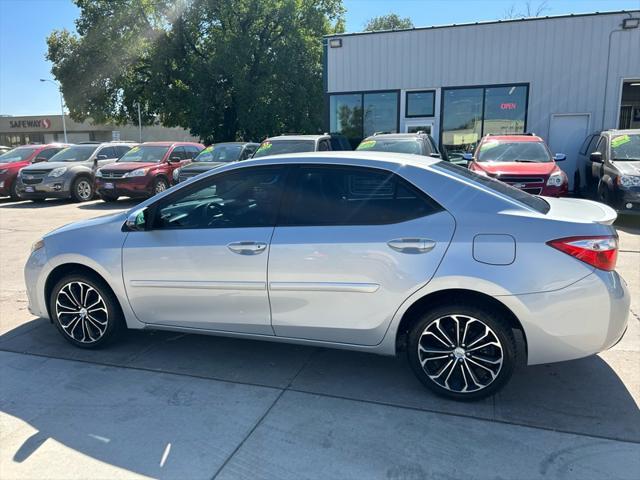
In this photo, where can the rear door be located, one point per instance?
(351, 244)
(106, 155)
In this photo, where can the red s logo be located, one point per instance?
(46, 123)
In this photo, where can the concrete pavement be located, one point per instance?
(233, 408)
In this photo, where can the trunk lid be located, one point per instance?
(580, 211)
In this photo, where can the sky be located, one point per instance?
(25, 24)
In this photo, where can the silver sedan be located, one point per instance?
(382, 253)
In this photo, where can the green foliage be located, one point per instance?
(234, 69)
(390, 21)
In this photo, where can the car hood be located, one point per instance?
(45, 166)
(201, 166)
(516, 168)
(579, 210)
(12, 164)
(628, 167)
(92, 222)
(128, 166)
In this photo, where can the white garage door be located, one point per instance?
(566, 134)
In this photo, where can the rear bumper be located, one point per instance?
(125, 187)
(582, 319)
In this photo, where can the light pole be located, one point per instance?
(139, 122)
(64, 125)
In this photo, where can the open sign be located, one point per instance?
(508, 106)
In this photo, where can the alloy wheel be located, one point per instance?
(160, 186)
(460, 353)
(82, 312)
(84, 190)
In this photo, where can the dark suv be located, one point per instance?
(419, 143)
(614, 169)
(213, 156)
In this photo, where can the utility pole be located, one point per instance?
(64, 124)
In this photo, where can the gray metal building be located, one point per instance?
(561, 77)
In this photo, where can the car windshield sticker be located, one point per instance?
(488, 146)
(367, 144)
(208, 149)
(621, 140)
(264, 146)
(134, 149)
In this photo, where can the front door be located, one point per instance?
(566, 134)
(351, 245)
(203, 264)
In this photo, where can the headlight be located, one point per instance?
(37, 245)
(3, 171)
(176, 174)
(56, 172)
(141, 172)
(98, 173)
(556, 179)
(628, 181)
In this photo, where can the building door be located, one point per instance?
(566, 134)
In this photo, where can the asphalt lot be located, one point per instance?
(167, 405)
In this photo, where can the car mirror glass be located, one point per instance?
(137, 220)
(596, 157)
(559, 157)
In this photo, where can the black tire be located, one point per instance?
(13, 192)
(86, 333)
(577, 189)
(82, 189)
(108, 198)
(160, 184)
(476, 363)
(603, 194)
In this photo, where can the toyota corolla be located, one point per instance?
(367, 251)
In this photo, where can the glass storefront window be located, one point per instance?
(357, 115)
(380, 113)
(461, 120)
(504, 110)
(345, 116)
(420, 104)
(470, 113)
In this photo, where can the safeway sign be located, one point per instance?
(39, 123)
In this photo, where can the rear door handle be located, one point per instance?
(247, 248)
(412, 245)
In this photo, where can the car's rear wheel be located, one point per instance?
(462, 351)
(85, 310)
(82, 189)
(108, 198)
(159, 185)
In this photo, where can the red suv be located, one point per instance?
(18, 158)
(522, 161)
(144, 170)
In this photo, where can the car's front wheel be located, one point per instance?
(159, 185)
(462, 352)
(85, 310)
(82, 189)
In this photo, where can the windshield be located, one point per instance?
(145, 153)
(532, 201)
(395, 145)
(495, 151)
(78, 153)
(17, 155)
(220, 153)
(624, 147)
(275, 147)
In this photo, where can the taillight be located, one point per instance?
(600, 252)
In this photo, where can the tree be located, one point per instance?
(238, 69)
(530, 10)
(390, 21)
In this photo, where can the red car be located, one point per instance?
(144, 170)
(14, 160)
(522, 161)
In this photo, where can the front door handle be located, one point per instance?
(412, 245)
(247, 248)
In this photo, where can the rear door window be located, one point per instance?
(109, 152)
(322, 195)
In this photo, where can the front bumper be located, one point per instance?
(627, 200)
(125, 187)
(582, 319)
(35, 282)
(48, 187)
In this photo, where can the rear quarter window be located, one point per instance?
(536, 203)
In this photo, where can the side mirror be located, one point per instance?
(468, 157)
(174, 159)
(596, 157)
(559, 157)
(39, 159)
(136, 221)
(102, 156)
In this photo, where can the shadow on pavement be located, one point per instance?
(117, 205)
(628, 223)
(38, 204)
(583, 396)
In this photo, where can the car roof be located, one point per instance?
(396, 136)
(297, 137)
(169, 144)
(633, 131)
(359, 157)
(235, 143)
(512, 138)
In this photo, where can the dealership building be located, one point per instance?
(48, 128)
(560, 77)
